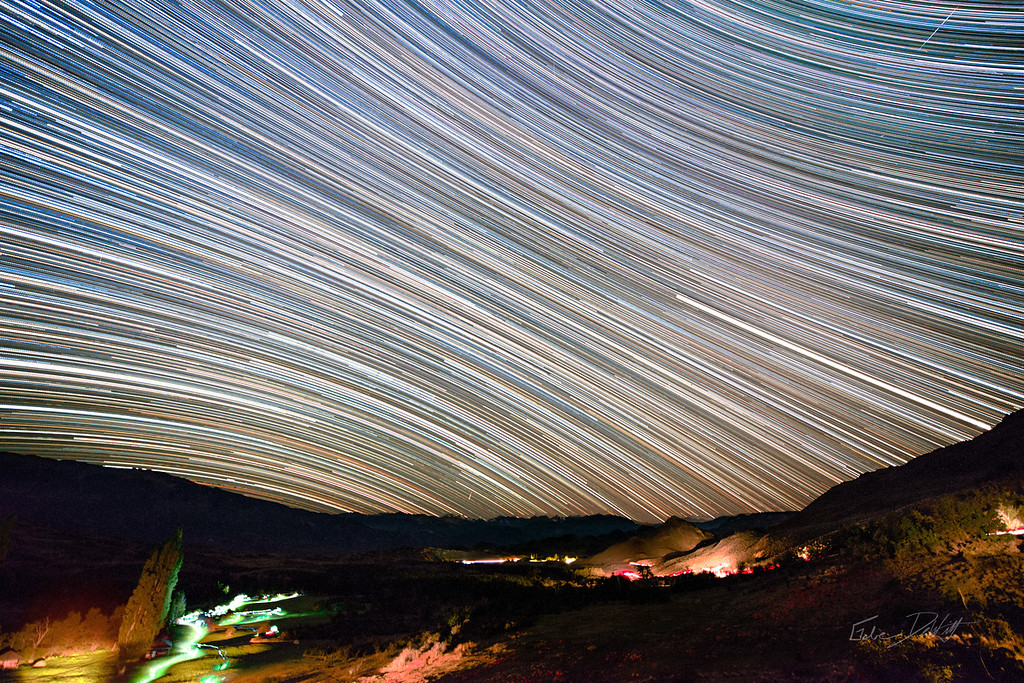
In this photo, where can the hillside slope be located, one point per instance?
(963, 466)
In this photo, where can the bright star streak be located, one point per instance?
(504, 258)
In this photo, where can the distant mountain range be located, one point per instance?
(146, 506)
(723, 526)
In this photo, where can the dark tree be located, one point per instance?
(146, 611)
(178, 606)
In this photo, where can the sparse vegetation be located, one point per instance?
(69, 635)
(947, 524)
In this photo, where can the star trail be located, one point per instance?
(510, 258)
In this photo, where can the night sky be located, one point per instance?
(500, 258)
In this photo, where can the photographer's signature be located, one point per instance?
(921, 624)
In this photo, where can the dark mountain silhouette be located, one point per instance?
(146, 506)
(964, 466)
(723, 526)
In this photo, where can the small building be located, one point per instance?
(161, 647)
(9, 658)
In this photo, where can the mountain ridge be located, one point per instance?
(144, 505)
(989, 456)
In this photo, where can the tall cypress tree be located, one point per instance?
(146, 611)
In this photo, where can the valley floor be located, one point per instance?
(844, 617)
(782, 627)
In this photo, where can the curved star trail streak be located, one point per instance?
(512, 258)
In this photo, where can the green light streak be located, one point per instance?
(252, 617)
(186, 651)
